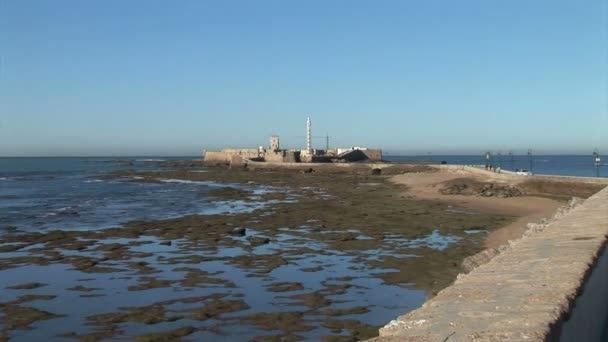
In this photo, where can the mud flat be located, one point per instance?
(330, 253)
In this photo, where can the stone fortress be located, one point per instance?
(275, 154)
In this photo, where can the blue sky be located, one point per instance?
(115, 77)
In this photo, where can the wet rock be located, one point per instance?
(142, 267)
(149, 283)
(199, 278)
(313, 300)
(470, 187)
(312, 269)
(499, 191)
(284, 286)
(27, 286)
(218, 307)
(94, 336)
(346, 311)
(12, 248)
(28, 298)
(291, 321)
(81, 288)
(238, 232)
(145, 314)
(171, 335)
(21, 317)
(258, 240)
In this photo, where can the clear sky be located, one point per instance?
(116, 77)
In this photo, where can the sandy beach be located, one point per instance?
(526, 209)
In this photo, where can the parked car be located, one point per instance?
(523, 172)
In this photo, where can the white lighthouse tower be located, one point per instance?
(308, 136)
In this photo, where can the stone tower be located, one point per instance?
(274, 143)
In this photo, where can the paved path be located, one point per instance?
(520, 294)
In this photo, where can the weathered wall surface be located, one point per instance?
(217, 157)
(272, 156)
(527, 292)
(226, 155)
(373, 154)
(327, 165)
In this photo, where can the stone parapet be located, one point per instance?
(526, 293)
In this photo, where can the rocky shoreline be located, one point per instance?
(325, 214)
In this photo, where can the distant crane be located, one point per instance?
(326, 137)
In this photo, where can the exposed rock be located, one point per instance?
(238, 232)
(27, 286)
(257, 240)
(490, 190)
(469, 187)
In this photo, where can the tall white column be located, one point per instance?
(308, 136)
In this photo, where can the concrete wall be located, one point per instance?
(530, 292)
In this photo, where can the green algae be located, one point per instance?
(217, 307)
(21, 317)
(167, 336)
(287, 322)
(346, 311)
(284, 286)
(313, 300)
(27, 286)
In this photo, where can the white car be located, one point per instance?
(523, 172)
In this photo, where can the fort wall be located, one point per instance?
(229, 154)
